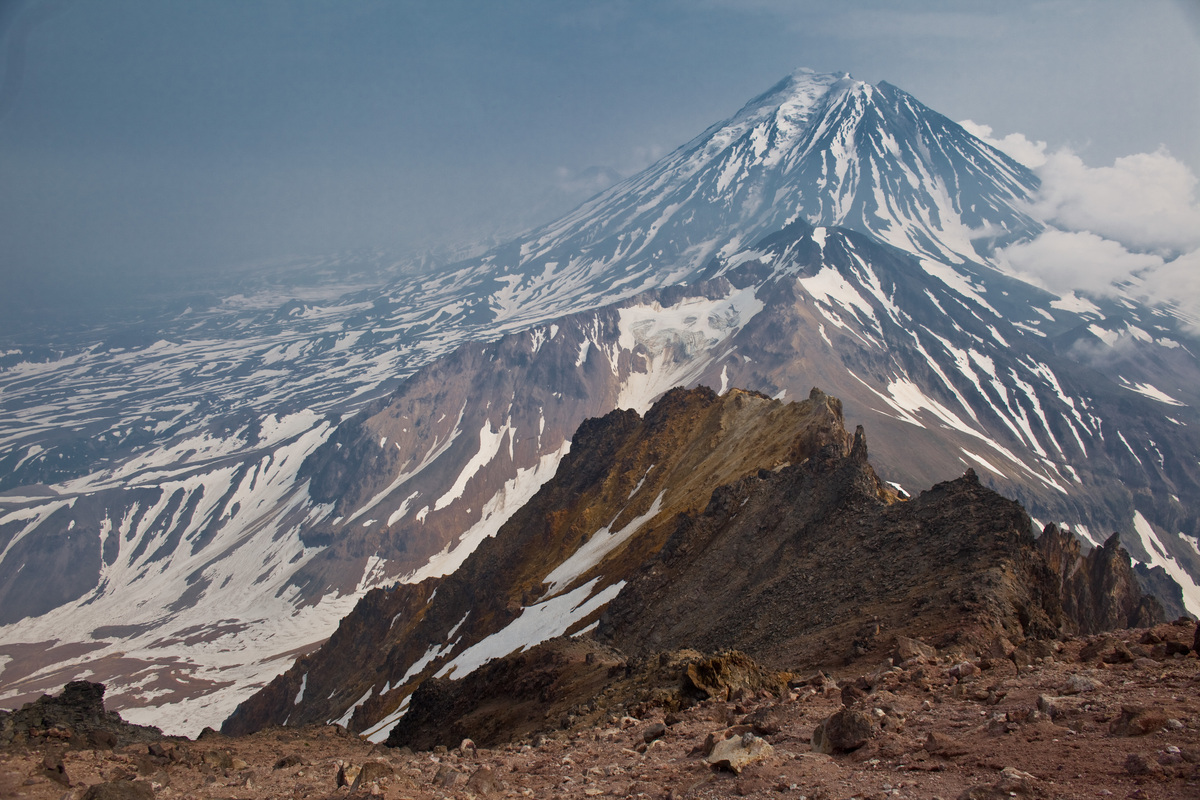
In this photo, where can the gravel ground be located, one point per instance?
(1111, 716)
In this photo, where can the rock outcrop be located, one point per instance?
(811, 566)
(1100, 590)
(75, 718)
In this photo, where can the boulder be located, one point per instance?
(346, 774)
(912, 650)
(371, 772)
(939, 744)
(483, 782)
(845, 730)
(1079, 684)
(738, 752)
(1012, 783)
(448, 777)
(652, 732)
(1137, 721)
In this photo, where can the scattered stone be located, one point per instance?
(52, 768)
(766, 721)
(371, 772)
(1094, 647)
(942, 745)
(483, 782)
(1137, 721)
(1138, 765)
(1173, 648)
(448, 777)
(1078, 684)
(346, 774)
(1121, 654)
(1058, 707)
(726, 675)
(963, 669)
(119, 790)
(292, 760)
(1013, 780)
(1012, 783)
(914, 651)
(1000, 648)
(655, 731)
(852, 693)
(736, 753)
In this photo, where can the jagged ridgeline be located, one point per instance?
(714, 522)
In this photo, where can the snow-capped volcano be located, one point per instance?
(827, 149)
(191, 507)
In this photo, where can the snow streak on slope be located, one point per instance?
(1159, 557)
(179, 556)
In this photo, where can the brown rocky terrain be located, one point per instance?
(1112, 715)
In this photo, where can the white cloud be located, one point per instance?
(1014, 145)
(1176, 283)
(1063, 261)
(1145, 201)
(1131, 228)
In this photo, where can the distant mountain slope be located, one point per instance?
(190, 507)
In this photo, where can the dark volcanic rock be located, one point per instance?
(1100, 591)
(567, 683)
(1162, 587)
(727, 523)
(508, 698)
(809, 565)
(76, 716)
(845, 730)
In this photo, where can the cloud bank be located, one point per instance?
(1131, 228)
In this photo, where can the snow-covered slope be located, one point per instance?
(191, 504)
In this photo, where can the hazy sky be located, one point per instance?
(175, 136)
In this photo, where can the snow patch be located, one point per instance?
(1159, 557)
(594, 550)
(512, 495)
(536, 624)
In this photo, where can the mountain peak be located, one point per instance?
(802, 87)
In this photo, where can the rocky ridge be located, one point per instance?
(740, 522)
(610, 505)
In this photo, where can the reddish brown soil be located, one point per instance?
(940, 737)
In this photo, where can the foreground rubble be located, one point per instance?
(1116, 715)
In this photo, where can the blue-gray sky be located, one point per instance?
(176, 137)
